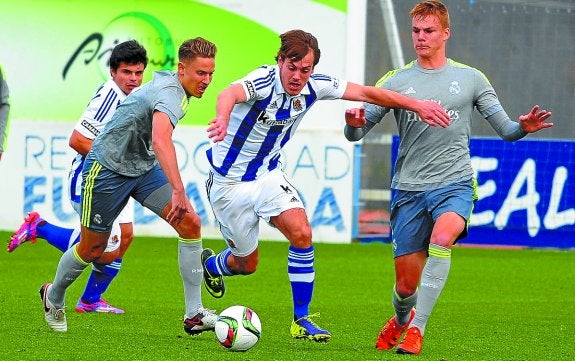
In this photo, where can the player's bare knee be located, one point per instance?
(190, 226)
(405, 290)
(89, 253)
(300, 238)
(443, 239)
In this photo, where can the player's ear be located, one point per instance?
(181, 68)
(447, 33)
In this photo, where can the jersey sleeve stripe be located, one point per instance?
(107, 104)
(261, 83)
(321, 77)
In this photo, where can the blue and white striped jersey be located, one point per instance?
(261, 126)
(98, 112)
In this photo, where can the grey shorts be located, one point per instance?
(413, 214)
(105, 193)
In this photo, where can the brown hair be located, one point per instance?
(196, 47)
(434, 8)
(295, 44)
(129, 52)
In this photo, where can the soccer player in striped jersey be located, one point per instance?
(127, 62)
(433, 185)
(255, 117)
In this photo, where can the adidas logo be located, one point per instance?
(294, 199)
(410, 90)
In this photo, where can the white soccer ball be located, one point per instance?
(238, 328)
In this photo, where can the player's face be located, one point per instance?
(128, 76)
(428, 36)
(195, 75)
(295, 74)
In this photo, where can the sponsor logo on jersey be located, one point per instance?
(251, 89)
(264, 118)
(90, 127)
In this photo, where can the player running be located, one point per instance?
(255, 117)
(127, 62)
(433, 185)
(134, 156)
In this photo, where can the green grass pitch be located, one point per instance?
(497, 305)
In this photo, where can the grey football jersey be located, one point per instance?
(125, 144)
(431, 157)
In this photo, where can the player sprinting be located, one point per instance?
(433, 186)
(134, 156)
(255, 117)
(127, 63)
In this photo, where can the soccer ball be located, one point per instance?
(238, 328)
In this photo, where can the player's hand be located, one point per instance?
(218, 128)
(180, 206)
(433, 114)
(535, 120)
(355, 117)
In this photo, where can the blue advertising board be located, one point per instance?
(526, 196)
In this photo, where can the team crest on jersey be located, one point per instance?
(273, 105)
(454, 88)
(297, 105)
(231, 243)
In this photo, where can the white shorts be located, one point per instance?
(238, 206)
(125, 216)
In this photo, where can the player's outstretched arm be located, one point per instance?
(535, 120)
(430, 112)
